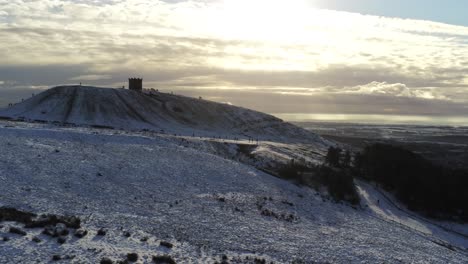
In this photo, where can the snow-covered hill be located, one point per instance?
(147, 188)
(174, 178)
(130, 110)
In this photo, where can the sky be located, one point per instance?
(290, 58)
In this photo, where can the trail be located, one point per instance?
(381, 205)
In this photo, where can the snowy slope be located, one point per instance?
(387, 207)
(206, 206)
(130, 110)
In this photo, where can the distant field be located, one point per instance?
(443, 144)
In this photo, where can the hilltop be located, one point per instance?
(156, 111)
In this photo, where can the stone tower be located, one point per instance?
(135, 84)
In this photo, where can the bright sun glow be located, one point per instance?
(262, 19)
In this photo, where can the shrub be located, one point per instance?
(132, 257)
(166, 244)
(106, 261)
(11, 214)
(101, 232)
(163, 260)
(18, 231)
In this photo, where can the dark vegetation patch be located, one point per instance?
(54, 225)
(259, 261)
(335, 175)
(56, 231)
(40, 121)
(339, 183)
(445, 245)
(163, 260)
(102, 127)
(101, 232)
(13, 215)
(261, 207)
(106, 261)
(31, 220)
(132, 257)
(432, 189)
(18, 231)
(279, 216)
(52, 220)
(61, 240)
(166, 244)
(246, 150)
(66, 258)
(293, 171)
(177, 109)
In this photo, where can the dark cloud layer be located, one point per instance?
(332, 103)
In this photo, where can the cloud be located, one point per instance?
(394, 89)
(316, 56)
(91, 77)
(331, 103)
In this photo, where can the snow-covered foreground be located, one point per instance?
(205, 205)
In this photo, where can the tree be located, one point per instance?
(333, 157)
(346, 159)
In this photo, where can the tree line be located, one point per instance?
(422, 185)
